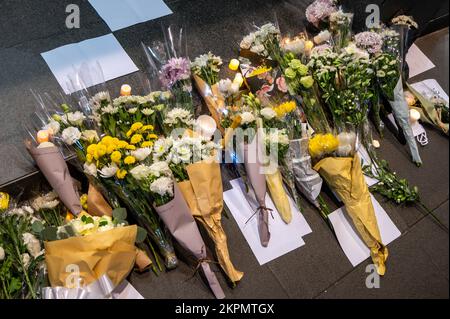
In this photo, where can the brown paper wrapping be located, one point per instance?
(213, 98)
(178, 219)
(344, 175)
(97, 205)
(204, 195)
(52, 165)
(112, 253)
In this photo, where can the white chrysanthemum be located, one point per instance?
(268, 113)
(178, 116)
(147, 111)
(53, 127)
(352, 49)
(160, 169)
(133, 110)
(76, 118)
(141, 172)
(2, 253)
(90, 136)
(162, 186)
(109, 109)
(47, 201)
(161, 147)
(141, 153)
(71, 135)
(108, 171)
(32, 243)
(90, 169)
(247, 118)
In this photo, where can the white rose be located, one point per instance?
(141, 153)
(71, 135)
(76, 118)
(162, 186)
(141, 172)
(247, 118)
(90, 136)
(53, 127)
(2, 253)
(109, 171)
(32, 243)
(90, 169)
(268, 113)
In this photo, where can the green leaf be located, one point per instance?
(141, 235)
(69, 230)
(103, 223)
(119, 214)
(50, 234)
(37, 227)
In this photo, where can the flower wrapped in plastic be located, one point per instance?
(192, 162)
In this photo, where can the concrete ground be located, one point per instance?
(418, 262)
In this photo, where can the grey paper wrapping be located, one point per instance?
(257, 180)
(181, 224)
(401, 113)
(307, 180)
(52, 165)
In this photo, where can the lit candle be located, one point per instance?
(238, 79)
(234, 64)
(414, 116)
(309, 45)
(206, 125)
(43, 136)
(125, 90)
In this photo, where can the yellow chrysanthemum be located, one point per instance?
(136, 126)
(285, 108)
(116, 157)
(146, 128)
(131, 147)
(129, 133)
(4, 201)
(322, 144)
(89, 158)
(83, 201)
(107, 140)
(122, 144)
(101, 150)
(91, 149)
(115, 141)
(121, 174)
(136, 139)
(260, 70)
(152, 137)
(147, 144)
(129, 160)
(111, 148)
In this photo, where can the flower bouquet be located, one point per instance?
(339, 165)
(205, 70)
(191, 160)
(157, 181)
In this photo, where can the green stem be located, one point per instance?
(27, 278)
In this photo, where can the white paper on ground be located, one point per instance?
(418, 62)
(126, 291)
(284, 238)
(429, 87)
(119, 14)
(105, 50)
(352, 245)
(365, 160)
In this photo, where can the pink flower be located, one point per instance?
(265, 89)
(320, 10)
(281, 84)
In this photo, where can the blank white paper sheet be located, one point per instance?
(284, 238)
(418, 62)
(66, 61)
(119, 14)
(352, 245)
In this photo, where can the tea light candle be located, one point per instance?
(43, 136)
(414, 115)
(238, 79)
(206, 125)
(234, 64)
(125, 90)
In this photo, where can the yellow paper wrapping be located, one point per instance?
(278, 195)
(112, 253)
(204, 195)
(213, 98)
(344, 175)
